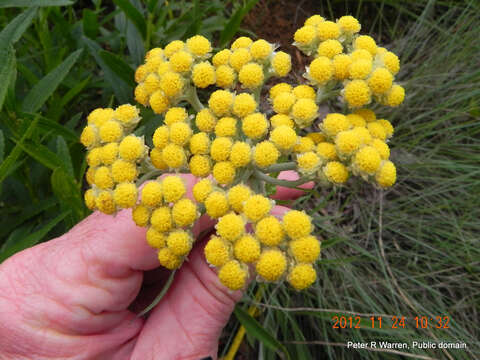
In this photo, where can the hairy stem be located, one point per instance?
(192, 98)
(286, 183)
(291, 165)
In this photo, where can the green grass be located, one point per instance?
(412, 250)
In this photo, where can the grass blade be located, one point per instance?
(233, 24)
(255, 329)
(134, 15)
(15, 29)
(31, 3)
(48, 84)
(119, 67)
(42, 154)
(68, 193)
(7, 66)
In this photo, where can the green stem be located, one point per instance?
(279, 182)
(291, 165)
(257, 92)
(149, 175)
(192, 98)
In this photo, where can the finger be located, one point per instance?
(284, 193)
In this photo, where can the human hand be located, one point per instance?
(70, 297)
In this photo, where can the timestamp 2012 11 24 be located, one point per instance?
(393, 322)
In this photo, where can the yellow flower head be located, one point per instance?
(304, 92)
(251, 75)
(217, 251)
(168, 259)
(308, 162)
(111, 131)
(224, 172)
(306, 35)
(269, 231)
(395, 96)
(283, 102)
(181, 61)
(109, 152)
(367, 159)
(387, 125)
(334, 123)
(341, 65)
(173, 188)
(260, 49)
(367, 43)
(244, 104)
(281, 63)
(105, 203)
(321, 70)
(233, 275)
(237, 195)
(363, 134)
(141, 73)
(199, 45)
(317, 137)
(216, 204)
(151, 83)
(386, 175)
(184, 212)
(328, 30)
(89, 137)
(226, 126)
(205, 120)
(304, 111)
(225, 76)
(221, 148)
(301, 276)
(164, 68)
(203, 75)
(265, 154)
(239, 58)
(241, 42)
(200, 143)
(347, 142)
(90, 175)
(220, 102)
(152, 194)
(157, 159)
(89, 198)
(180, 133)
(173, 47)
(279, 88)
(281, 119)
(155, 238)
(271, 265)
(161, 137)
(367, 114)
(305, 249)
(361, 54)
(247, 249)
(221, 58)
(161, 219)
(255, 125)
(103, 178)
(284, 137)
(241, 154)
(377, 130)
(330, 48)
(256, 207)
(100, 116)
(131, 148)
(172, 84)
(230, 226)
(360, 69)
(357, 93)
(123, 171)
(314, 20)
(127, 114)
(159, 102)
(349, 25)
(391, 62)
(304, 144)
(335, 172)
(125, 195)
(174, 156)
(202, 189)
(141, 215)
(326, 151)
(297, 224)
(380, 81)
(382, 148)
(356, 120)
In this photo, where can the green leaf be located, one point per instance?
(48, 84)
(134, 15)
(31, 239)
(119, 67)
(90, 23)
(15, 29)
(7, 66)
(255, 329)
(42, 154)
(233, 24)
(64, 155)
(8, 165)
(2, 146)
(30, 3)
(68, 193)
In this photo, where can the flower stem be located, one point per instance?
(192, 98)
(291, 165)
(149, 175)
(286, 183)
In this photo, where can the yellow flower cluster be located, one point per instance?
(166, 75)
(277, 249)
(341, 55)
(112, 158)
(250, 62)
(169, 217)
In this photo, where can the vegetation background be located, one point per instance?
(410, 251)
